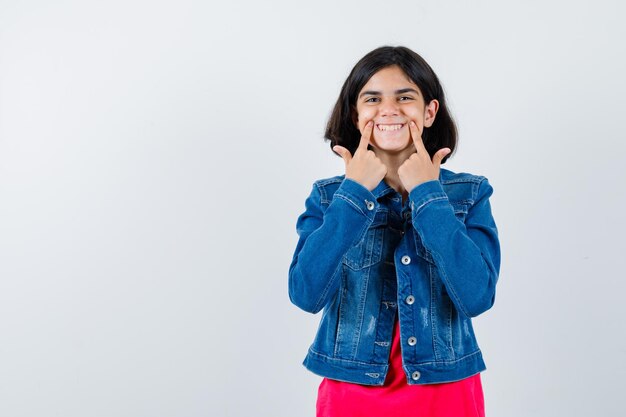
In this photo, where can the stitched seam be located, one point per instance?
(327, 288)
(460, 180)
(474, 179)
(433, 312)
(351, 202)
(323, 196)
(360, 315)
(449, 329)
(477, 187)
(330, 358)
(429, 201)
(451, 289)
(340, 315)
(331, 180)
(447, 362)
(321, 186)
(345, 360)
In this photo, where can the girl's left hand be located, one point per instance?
(418, 168)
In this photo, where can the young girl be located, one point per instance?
(399, 253)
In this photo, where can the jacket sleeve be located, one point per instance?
(326, 230)
(467, 256)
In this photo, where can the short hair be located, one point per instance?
(341, 130)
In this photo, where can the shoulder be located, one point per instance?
(464, 185)
(459, 186)
(447, 176)
(326, 187)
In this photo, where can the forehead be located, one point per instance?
(389, 78)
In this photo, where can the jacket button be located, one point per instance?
(406, 260)
(416, 375)
(370, 205)
(410, 300)
(412, 341)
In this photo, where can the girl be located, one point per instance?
(399, 253)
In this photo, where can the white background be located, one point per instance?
(154, 157)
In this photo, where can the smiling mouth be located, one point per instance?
(390, 128)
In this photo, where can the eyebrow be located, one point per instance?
(378, 93)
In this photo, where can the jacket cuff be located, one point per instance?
(426, 193)
(359, 197)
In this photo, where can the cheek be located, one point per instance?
(364, 117)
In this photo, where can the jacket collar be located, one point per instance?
(383, 188)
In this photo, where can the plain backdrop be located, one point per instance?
(155, 155)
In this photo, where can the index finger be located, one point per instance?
(365, 137)
(417, 138)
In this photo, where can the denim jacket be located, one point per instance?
(364, 257)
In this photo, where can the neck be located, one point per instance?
(393, 161)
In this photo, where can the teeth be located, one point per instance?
(387, 128)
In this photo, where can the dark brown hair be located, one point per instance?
(341, 130)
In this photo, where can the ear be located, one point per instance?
(430, 112)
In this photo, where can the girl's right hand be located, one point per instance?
(364, 167)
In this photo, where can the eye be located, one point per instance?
(369, 100)
(405, 98)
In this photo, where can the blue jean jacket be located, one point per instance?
(365, 257)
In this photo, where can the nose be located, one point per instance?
(388, 107)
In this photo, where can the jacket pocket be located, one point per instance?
(368, 250)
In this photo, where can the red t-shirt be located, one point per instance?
(396, 398)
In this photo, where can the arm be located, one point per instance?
(467, 256)
(324, 238)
